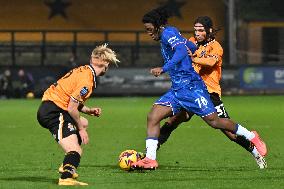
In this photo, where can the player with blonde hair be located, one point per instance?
(62, 103)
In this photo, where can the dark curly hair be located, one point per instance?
(207, 22)
(157, 17)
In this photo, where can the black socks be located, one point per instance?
(70, 164)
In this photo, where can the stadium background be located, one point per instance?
(47, 38)
(47, 44)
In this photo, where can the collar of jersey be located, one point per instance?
(206, 44)
(94, 74)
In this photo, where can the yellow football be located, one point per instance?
(126, 158)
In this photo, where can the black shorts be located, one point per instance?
(57, 121)
(219, 106)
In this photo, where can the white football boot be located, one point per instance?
(260, 160)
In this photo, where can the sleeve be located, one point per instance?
(208, 55)
(217, 51)
(192, 39)
(177, 44)
(172, 38)
(191, 46)
(180, 53)
(209, 61)
(82, 91)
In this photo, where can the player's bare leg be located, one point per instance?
(246, 144)
(226, 124)
(174, 121)
(171, 124)
(154, 118)
(85, 124)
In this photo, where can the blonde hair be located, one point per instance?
(104, 53)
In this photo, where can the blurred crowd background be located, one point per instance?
(40, 40)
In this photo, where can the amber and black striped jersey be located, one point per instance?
(77, 84)
(211, 75)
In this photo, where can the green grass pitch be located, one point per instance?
(196, 156)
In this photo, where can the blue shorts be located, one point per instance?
(194, 98)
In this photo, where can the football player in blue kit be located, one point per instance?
(188, 92)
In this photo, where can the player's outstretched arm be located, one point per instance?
(93, 111)
(208, 61)
(156, 71)
(179, 54)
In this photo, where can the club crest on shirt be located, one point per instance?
(84, 91)
(71, 127)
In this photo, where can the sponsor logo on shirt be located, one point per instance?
(202, 53)
(173, 40)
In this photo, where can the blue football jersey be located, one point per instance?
(176, 60)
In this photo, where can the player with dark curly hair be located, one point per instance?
(207, 61)
(188, 92)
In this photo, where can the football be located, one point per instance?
(127, 157)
